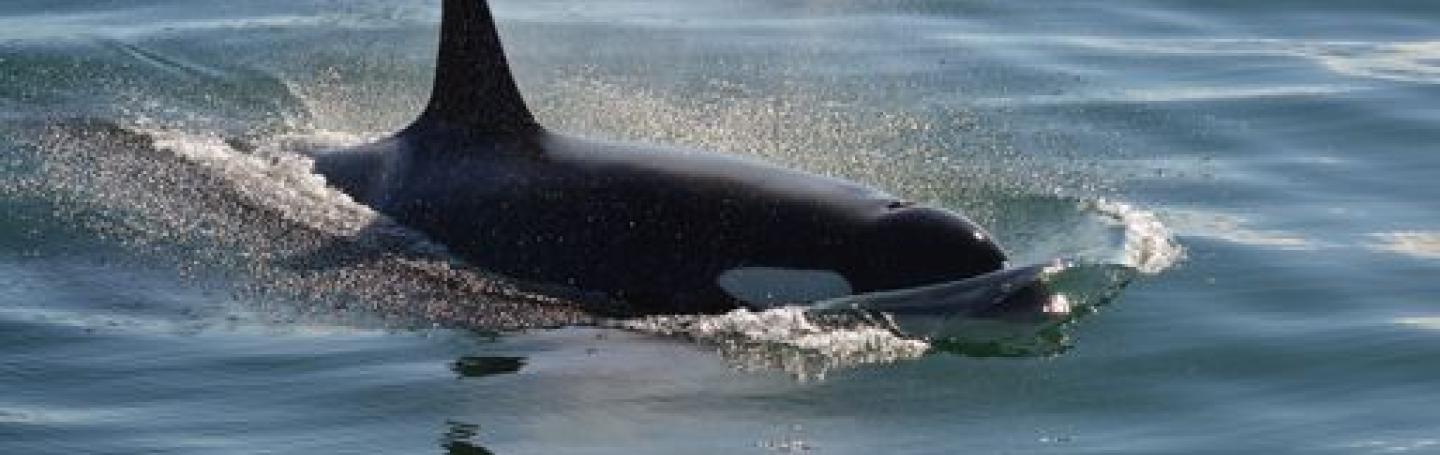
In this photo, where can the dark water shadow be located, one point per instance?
(479, 367)
(457, 439)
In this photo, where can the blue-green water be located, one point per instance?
(170, 280)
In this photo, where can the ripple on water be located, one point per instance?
(1395, 61)
(1419, 244)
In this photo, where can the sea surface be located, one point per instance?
(174, 280)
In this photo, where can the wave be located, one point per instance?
(1396, 61)
(1149, 247)
(1169, 95)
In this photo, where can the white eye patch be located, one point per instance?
(766, 287)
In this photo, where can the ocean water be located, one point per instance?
(173, 279)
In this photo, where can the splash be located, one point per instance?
(1149, 246)
(809, 342)
(944, 156)
(279, 181)
(786, 339)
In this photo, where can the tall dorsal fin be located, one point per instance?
(473, 87)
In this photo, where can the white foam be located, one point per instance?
(1418, 244)
(1417, 61)
(784, 339)
(1149, 246)
(1237, 229)
(1423, 322)
(281, 182)
(1407, 445)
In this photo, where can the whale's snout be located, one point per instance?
(1027, 300)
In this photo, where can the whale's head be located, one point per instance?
(912, 246)
(902, 247)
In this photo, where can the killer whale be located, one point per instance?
(660, 230)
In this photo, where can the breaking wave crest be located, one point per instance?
(1149, 246)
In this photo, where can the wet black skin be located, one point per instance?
(650, 227)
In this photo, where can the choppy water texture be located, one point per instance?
(174, 280)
